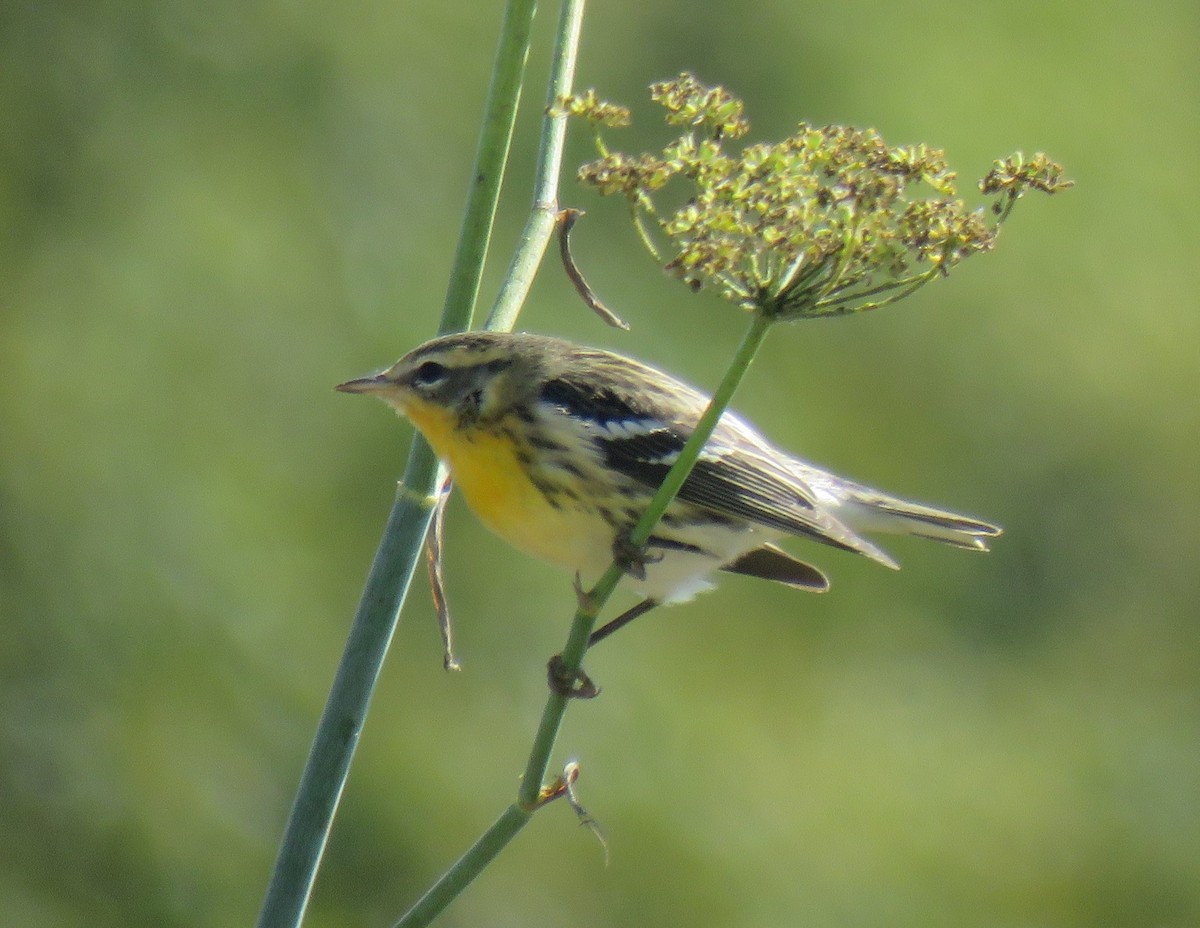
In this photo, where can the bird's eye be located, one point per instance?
(429, 373)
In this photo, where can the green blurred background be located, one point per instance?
(211, 213)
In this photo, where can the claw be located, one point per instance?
(632, 558)
(569, 684)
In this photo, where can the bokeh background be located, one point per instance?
(211, 213)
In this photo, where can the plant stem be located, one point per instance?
(542, 217)
(529, 794)
(491, 158)
(337, 734)
(596, 598)
(466, 868)
(721, 399)
(530, 251)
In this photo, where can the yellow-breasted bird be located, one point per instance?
(559, 448)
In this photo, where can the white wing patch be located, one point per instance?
(623, 429)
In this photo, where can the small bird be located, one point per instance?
(559, 448)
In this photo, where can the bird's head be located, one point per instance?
(459, 380)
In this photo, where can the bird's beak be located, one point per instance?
(377, 383)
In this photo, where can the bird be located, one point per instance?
(558, 448)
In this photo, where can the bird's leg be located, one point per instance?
(633, 560)
(577, 684)
(621, 621)
(573, 684)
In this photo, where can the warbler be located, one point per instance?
(558, 449)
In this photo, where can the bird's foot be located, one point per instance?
(632, 558)
(571, 684)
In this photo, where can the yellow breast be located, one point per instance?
(497, 487)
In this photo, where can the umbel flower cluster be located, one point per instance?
(828, 221)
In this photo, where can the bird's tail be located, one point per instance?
(868, 510)
(938, 525)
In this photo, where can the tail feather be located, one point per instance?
(866, 510)
(878, 513)
(771, 563)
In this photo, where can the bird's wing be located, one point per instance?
(738, 475)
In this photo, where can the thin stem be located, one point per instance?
(466, 868)
(842, 306)
(531, 249)
(788, 277)
(730, 282)
(540, 224)
(594, 600)
(337, 734)
(485, 849)
(639, 209)
(690, 453)
(842, 259)
(822, 270)
(881, 288)
(598, 140)
(491, 158)
(345, 712)
(1010, 202)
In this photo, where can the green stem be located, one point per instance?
(470, 865)
(913, 279)
(638, 210)
(720, 401)
(528, 256)
(529, 794)
(491, 158)
(846, 305)
(328, 764)
(597, 597)
(544, 214)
